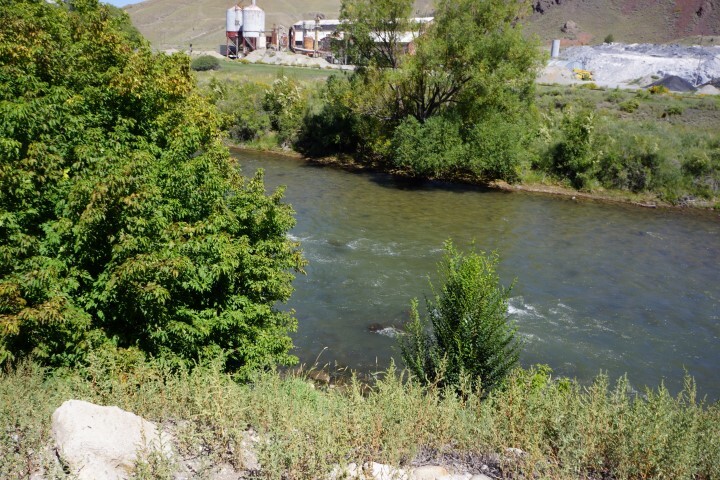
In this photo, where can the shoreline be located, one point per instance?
(619, 197)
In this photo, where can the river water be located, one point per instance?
(617, 288)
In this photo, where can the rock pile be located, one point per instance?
(640, 64)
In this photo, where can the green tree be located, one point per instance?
(123, 221)
(375, 29)
(466, 333)
(471, 66)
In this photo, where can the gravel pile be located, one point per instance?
(620, 65)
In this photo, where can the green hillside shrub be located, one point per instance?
(123, 222)
(204, 63)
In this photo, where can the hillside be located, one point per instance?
(177, 23)
(629, 21)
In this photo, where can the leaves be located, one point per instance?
(122, 218)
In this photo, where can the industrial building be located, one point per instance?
(245, 32)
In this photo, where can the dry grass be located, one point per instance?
(565, 430)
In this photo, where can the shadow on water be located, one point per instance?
(403, 182)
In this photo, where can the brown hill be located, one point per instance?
(630, 21)
(177, 23)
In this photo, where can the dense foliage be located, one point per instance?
(466, 336)
(451, 84)
(204, 62)
(123, 222)
(622, 140)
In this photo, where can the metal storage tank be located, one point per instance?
(253, 21)
(233, 21)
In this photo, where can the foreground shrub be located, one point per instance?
(124, 222)
(204, 63)
(466, 335)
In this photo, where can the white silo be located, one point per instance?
(253, 21)
(233, 21)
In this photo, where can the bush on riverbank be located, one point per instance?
(123, 221)
(635, 150)
(466, 335)
(566, 430)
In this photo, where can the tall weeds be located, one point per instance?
(565, 430)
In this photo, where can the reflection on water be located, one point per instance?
(599, 287)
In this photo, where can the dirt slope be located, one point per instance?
(630, 21)
(177, 23)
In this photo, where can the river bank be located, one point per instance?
(287, 428)
(548, 187)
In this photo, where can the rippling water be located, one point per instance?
(598, 287)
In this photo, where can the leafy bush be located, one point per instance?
(330, 125)
(572, 157)
(610, 38)
(672, 111)
(241, 103)
(434, 148)
(630, 163)
(286, 103)
(496, 146)
(204, 63)
(124, 222)
(466, 335)
(629, 106)
(658, 90)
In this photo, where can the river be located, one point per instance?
(599, 287)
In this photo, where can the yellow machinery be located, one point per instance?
(582, 74)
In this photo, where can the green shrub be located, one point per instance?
(495, 147)
(204, 63)
(672, 111)
(573, 156)
(466, 335)
(242, 106)
(124, 222)
(610, 38)
(434, 148)
(631, 162)
(285, 101)
(629, 106)
(330, 125)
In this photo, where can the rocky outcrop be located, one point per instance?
(103, 443)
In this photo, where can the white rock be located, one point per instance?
(101, 443)
(480, 476)
(368, 471)
(429, 472)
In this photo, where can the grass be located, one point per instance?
(564, 430)
(236, 70)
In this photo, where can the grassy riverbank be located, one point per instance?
(566, 431)
(650, 149)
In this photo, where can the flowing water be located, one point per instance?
(617, 288)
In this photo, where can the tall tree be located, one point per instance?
(471, 65)
(123, 221)
(375, 29)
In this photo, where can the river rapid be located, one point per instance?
(599, 287)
